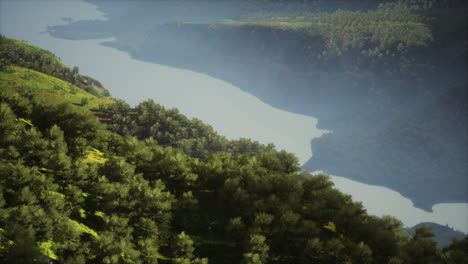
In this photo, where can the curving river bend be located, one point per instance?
(231, 112)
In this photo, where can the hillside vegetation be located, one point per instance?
(19, 53)
(125, 190)
(48, 87)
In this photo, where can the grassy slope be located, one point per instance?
(20, 53)
(21, 73)
(48, 87)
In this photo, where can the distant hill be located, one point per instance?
(443, 234)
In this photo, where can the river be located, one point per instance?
(229, 110)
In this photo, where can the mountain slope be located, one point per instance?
(19, 53)
(72, 191)
(48, 87)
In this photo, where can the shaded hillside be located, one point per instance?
(74, 190)
(28, 69)
(442, 234)
(427, 145)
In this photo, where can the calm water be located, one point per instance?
(231, 112)
(383, 201)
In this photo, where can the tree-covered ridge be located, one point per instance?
(72, 191)
(170, 128)
(19, 53)
(365, 39)
(396, 40)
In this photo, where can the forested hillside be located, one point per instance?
(112, 184)
(381, 75)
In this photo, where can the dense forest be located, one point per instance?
(387, 77)
(115, 184)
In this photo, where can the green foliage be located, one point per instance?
(258, 250)
(84, 101)
(83, 229)
(95, 156)
(184, 251)
(421, 248)
(456, 252)
(47, 250)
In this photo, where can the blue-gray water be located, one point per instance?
(232, 112)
